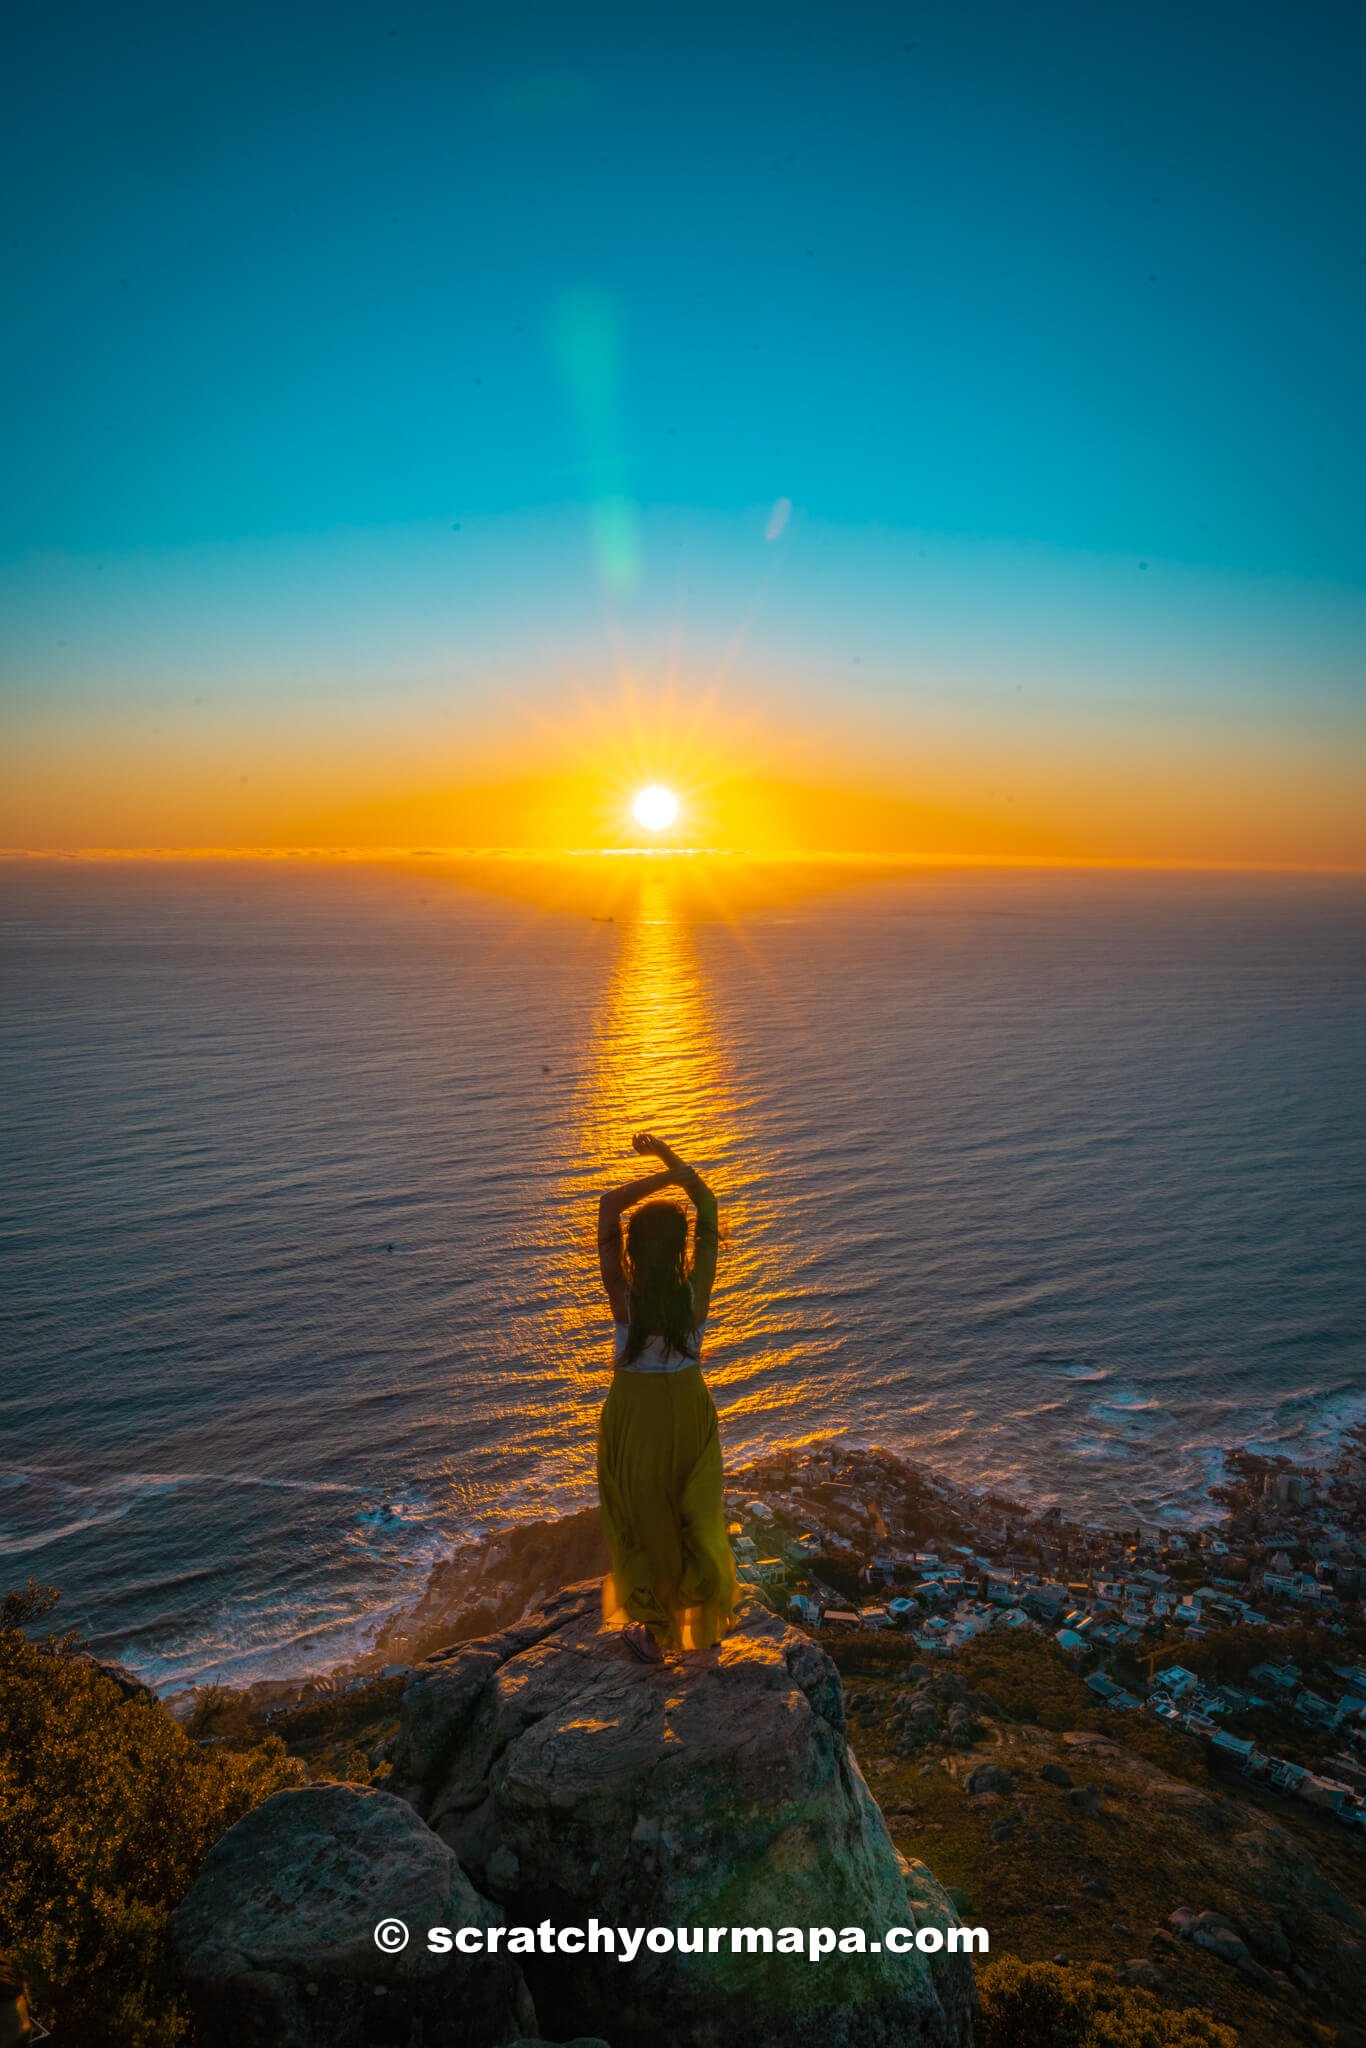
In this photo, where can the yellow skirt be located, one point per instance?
(660, 1485)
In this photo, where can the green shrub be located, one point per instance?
(107, 1810)
(1026, 2004)
(1029, 1679)
(1042, 2005)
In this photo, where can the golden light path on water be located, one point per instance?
(656, 1063)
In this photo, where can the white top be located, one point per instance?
(652, 1358)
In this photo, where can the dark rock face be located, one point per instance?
(577, 1785)
(276, 1939)
(987, 1778)
(939, 1708)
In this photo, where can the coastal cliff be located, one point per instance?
(545, 1775)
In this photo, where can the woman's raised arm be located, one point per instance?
(706, 1238)
(610, 1208)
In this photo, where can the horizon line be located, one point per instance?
(358, 855)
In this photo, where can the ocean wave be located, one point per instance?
(111, 1498)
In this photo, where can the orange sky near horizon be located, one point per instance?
(1144, 795)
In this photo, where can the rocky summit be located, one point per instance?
(545, 1776)
(276, 1939)
(574, 1783)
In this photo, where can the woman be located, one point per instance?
(672, 1582)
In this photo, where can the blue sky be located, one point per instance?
(304, 306)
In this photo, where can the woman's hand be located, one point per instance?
(656, 1147)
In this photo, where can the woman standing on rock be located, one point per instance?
(671, 1586)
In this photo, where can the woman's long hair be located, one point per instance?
(661, 1303)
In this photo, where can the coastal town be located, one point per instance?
(1190, 1626)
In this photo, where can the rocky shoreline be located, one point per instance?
(822, 1531)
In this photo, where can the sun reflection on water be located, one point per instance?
(659, 1058)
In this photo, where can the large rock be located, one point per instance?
(576, 1784)
(276, 1939)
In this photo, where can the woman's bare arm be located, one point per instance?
(610, 1209)
(706, 1240)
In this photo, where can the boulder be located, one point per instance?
(1054, 1774)
(578, 1785)
(963, 1729)
(275, 1941)
(1086, 1798)
(987, 1778)
(1140, 1971)
(1218, 1936)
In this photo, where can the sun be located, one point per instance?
(655, 808)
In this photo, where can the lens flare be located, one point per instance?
(655, 808)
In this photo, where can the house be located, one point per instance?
(1347, 1770)
(1113, 1633)
(840, 1617)
(1070, 1642)
(1283, 1677)
(1323, 1792)
(1175, 1681)
(969, 1622)
(805, 1610)
(1233, 1745)
(874, 1617)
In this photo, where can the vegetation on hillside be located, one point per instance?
(107, 1809)
(1028, 2005)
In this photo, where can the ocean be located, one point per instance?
(1051, 1181)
